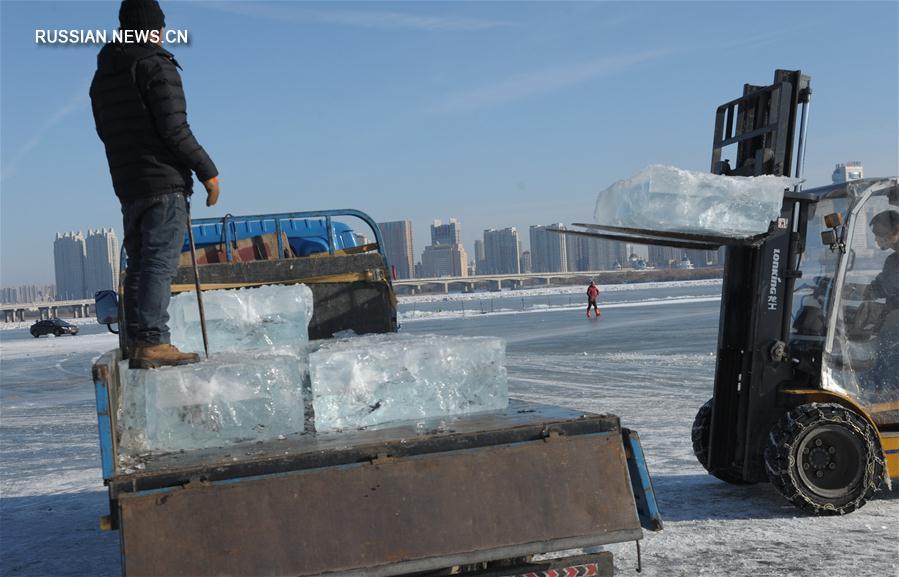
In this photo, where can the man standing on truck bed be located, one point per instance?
(140, 114)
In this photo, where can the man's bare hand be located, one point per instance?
(212, 190)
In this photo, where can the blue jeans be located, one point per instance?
(154, 234)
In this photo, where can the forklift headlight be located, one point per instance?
(833, 220)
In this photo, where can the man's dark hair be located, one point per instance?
(885, 223)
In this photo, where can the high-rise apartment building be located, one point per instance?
(587, 254)
(101, 262)
(444, 260)
(846, 171)
(705, 258)
(502, 249)
(526, 262)
(480, 260)
(445, 256)
(85, 266)
(397, 237)
(68, 262)
(548, 249)
(665, 256)
(450, 233)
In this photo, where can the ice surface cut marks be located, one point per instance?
(224, 400)
(262, 318)
(666, 198)
(376, 379)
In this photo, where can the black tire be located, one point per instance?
(57, 333)
(700, 436)
(824, 458)
(35, 334)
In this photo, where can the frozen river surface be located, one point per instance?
(649, 359)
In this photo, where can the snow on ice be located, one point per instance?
(651, 365)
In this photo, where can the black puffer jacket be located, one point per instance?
(141, 117)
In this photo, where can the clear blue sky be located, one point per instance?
(499, 114)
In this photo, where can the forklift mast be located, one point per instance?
(762, 124)
(758, 281)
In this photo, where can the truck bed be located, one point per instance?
(390, 501)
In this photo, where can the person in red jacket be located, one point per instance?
(592, 295)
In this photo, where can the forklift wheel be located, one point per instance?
(824, 458)
(700, 437)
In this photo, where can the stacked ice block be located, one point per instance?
(377, 379)
(264, 379)
(221, 401)
(269, 317)
(251, 387)
(666, 198)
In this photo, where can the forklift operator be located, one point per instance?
(885, 226)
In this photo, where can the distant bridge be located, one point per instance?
(85, 307)
(47, 309)
(541, 279)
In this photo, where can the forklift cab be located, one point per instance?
(844, 333)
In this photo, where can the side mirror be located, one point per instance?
(835, 235)
(107, 306)
(828, 237)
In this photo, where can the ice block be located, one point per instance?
(262, 318)
(230, 398)
(376, 379)
(665, 198)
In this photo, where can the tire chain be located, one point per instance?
(783, 476)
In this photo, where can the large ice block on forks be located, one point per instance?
(224, 400)
(376, 379)
(665, 198)
(262, 318)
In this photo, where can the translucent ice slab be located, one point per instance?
(263, 318)
(666, 198)
(375, 379)
(224, 400)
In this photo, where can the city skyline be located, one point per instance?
(577, 253)
(30, 293)
(500, 114)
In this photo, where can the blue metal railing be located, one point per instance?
(279, 219)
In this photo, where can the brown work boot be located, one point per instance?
(148, 356)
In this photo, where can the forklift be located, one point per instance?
(806, 392)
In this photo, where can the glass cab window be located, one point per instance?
(813, 292)
(863, 357)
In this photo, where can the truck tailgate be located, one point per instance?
(385, 501)
(388, 516)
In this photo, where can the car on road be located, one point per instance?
(56, 327)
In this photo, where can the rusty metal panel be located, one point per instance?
(389, 516)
